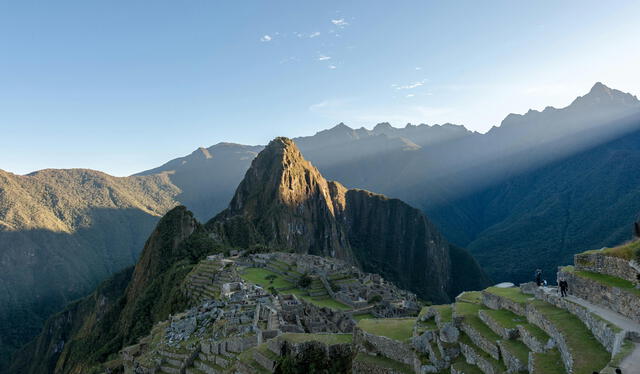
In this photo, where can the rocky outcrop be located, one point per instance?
(284, 202)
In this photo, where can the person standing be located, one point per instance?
(563, 288)
(539, 277)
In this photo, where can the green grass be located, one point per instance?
(626, 349)
(470, 313)
(474, 297)
(360, 317)
(400, 329)
(536, 332)
(323, 338)
(445, 312)
(549, 363)
(518, 349)
(258, 275)
(585, 349)
(511, 293)
(505, 318)
(605, 279)
(384, 362)
(627, 251)
(427, 325)
(498, 365)
(462, 366)
(327, 302)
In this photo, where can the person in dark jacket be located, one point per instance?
(539, 277)
(564, 286)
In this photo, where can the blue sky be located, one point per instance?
(123, 86)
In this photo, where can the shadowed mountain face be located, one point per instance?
(284, 202)
(61, 233)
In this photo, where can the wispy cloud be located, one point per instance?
(409, 86)
(324, 58)
(314, 34)
(339, 22)
(332, 67)
(410, 95)
(266, 38)
(418, 68)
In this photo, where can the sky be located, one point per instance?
(124, 86)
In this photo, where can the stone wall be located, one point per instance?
(496, 302)
(483, 343)
(497, 328)
(475, 358)
(513, 363)
(616, 299)
(536, 318)
(608, 335)
(530, 341)
(599, 263)
(390, 348)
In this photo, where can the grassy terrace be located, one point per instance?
(588, 354)
(548, 363)
(474, 297)
(517, 348)
(536, 332)
(499, 365)
(470, 313)
(360, 317)
(445, 312)
(627, 251)
(400, 329)
(384, 362)
(323, 338)
(505, 318)
(511, 293)
(463, 367)
(258, 276)
(605, 279)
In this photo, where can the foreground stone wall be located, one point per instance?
(616, 299)
(390, 348)
(599, 263)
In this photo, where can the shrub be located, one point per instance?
(304, 281)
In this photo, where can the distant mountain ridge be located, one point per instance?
(484, 192)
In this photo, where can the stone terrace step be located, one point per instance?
(613, 293)
(481, 335)
(546, 363)
(478, 357)
(581, 351)
(462, 367)
(515, 355)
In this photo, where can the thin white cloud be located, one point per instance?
(409, 86)
(332, 67)
(314, 34)
(324, 58)
(266, 38)
(339, 22)
(418, 68)
(410, 95)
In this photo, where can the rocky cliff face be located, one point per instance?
(284, 202)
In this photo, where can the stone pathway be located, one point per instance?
(631, 364)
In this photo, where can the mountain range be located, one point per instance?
(529, 193)
(282, 203)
